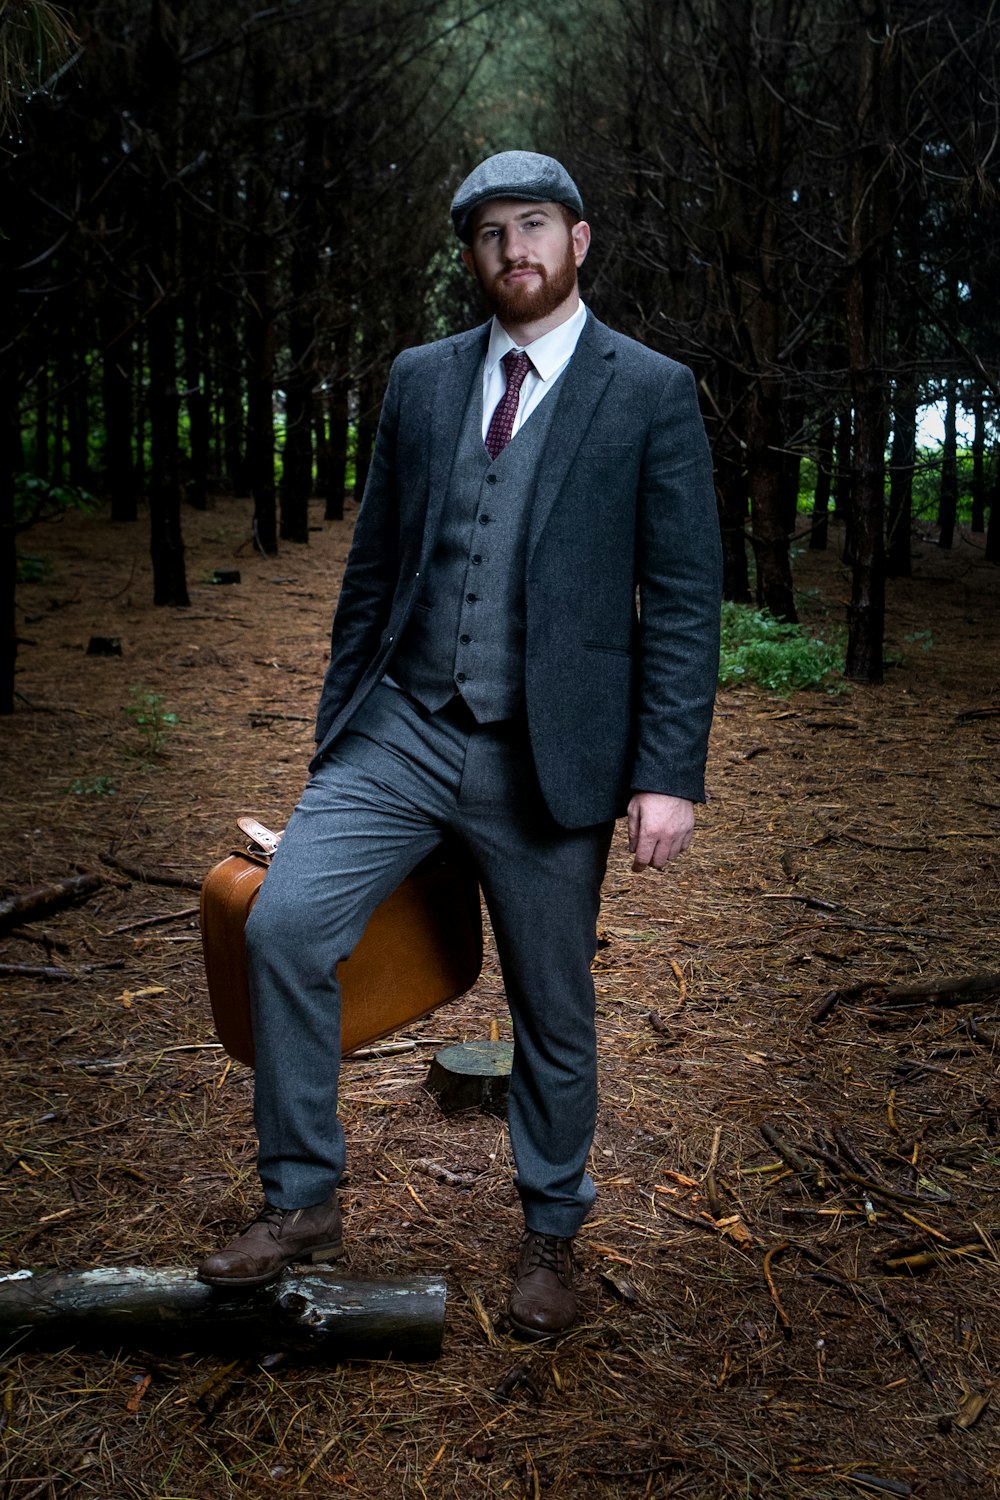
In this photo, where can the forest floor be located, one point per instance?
(747, 1329)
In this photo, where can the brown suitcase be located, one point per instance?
(422, 947)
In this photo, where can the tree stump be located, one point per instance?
(472, 1075)
(323, 1316)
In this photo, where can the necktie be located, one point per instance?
(516, 365)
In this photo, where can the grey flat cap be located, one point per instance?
(514, 174)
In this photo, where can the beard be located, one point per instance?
(527, 304)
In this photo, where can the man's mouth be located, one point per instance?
(520, 273)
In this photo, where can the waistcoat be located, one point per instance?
(468, 626)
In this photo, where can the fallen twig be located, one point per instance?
(789, 1155)
(869, 1184)
(148, 876)
(783, 1318)
(51, 971)
(45, 899)
(170, 916)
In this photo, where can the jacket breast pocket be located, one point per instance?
(607, 650)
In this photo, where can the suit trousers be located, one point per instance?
(397, 782)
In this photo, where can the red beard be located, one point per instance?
(519, 302)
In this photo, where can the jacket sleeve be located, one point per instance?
(679, 572)
(371, 572)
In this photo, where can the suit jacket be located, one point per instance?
(618, 698)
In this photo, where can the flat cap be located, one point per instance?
(514, 174)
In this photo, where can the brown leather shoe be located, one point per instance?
(543, 1301)
(276, 1238)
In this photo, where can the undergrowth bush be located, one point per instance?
(758, 647)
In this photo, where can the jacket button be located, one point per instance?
(459, 676)
(491, 479)
(471, 598)
(465, 639)
(476, 559)
(485, 520)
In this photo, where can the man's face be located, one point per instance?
(525, 257)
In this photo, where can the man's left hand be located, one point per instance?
(659, 828)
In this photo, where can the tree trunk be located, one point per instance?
(196, 399)
(318, 1314)
(116, 391)
(42, 423)
(734, 514)
(768, 535)
(904, 453)
(948, 490)
(842, 474)
(260, 323)
(339, 430)
(300, 381)
(979, 466)
(870, 219)
(819, 534)
(78, 416)
(765, 434)
(166, 544)
(58, 434)
(793, 414)
(993, 529)
(8, 534)
(368, 410)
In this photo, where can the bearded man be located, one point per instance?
(492, 679)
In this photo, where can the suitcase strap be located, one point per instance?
(263, 840)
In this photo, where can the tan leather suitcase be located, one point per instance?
(422, 947)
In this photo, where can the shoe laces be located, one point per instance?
(547, 1252)
(268, 1215)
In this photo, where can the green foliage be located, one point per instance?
(757, 647)
(37, 499)
(146, 714)
(33, 569)
(917, 640)
(97, 786)
(927, 484)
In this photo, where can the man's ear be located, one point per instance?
(470, 264)
(580, 234)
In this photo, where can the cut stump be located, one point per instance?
(324, 1316)
(472, 1075)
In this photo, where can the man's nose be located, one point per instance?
(513, 242)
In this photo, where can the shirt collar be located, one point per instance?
(547, 354)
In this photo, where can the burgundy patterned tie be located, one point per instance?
(516, 365)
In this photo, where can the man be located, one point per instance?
(491, 679)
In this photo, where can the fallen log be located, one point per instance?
(45, 899)
(950, 991)
(326, 1317)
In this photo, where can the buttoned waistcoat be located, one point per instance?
(622, 567)
(466, 632)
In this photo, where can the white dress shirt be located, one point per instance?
(549, 356)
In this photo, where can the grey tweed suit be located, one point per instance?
(614, 699)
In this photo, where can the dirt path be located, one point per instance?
(743, 1334)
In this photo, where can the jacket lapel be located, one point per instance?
(459, 368)
(580, 389)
